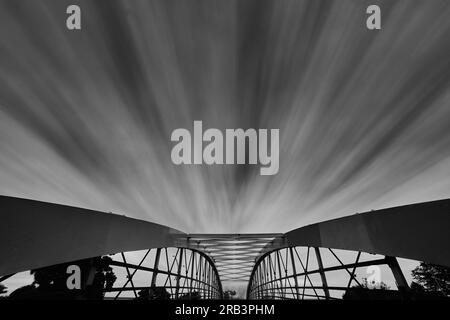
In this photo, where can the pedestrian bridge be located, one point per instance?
(293, 265)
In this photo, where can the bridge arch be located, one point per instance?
(36, 234)
(417, 232)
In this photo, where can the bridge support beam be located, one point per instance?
(399, 277)
(322, 274)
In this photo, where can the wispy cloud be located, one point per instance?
(364, 116)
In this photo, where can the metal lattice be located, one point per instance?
(234, 254)
(303, 273)
(180, 273)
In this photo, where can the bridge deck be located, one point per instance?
(234, 254)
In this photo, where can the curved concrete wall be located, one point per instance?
(418, 231)
(35, 234)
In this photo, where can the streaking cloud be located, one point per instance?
(86, 116)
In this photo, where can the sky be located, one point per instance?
(86, 116)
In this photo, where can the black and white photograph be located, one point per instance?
(225, 158)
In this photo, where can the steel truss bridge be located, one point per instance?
(149, 258)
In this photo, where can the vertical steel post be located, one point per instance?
(258, 273)
(400, 279)
(200, 276)
(180, 261)
(155, 267)
(294, 270)
(205, 278)
(208, 278)
(265, 278)
(322, 274)
(282, 292)
(271, 272)
(192, 271)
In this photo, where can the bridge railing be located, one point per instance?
(321, 273)
(165, 273)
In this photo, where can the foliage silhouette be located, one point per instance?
(431, 278)
(51, 282)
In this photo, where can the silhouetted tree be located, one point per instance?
(367, 291)
(194, 295)
(417, 288)
(432, 278)
(154, 293)
(51, 282)
(366, 285)
(104, 278)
